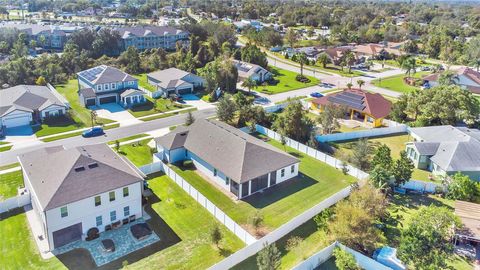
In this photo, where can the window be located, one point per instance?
(214, 172)
(99, 87)
(113, 216)
(98, 200)
(227, 181)
(292, 169)
(282, 173)
(99, 221)
(105, 86)
(186, 153)
(114, 85)
(126, 211)
(125, 191)
(112, 196)
(64, 212)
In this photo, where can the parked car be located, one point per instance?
(261, 100)
(425, 68)
(316, 95)
(93, 132)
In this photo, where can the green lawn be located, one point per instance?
(9, 166)
(154, 117)
(139, 153)
(285, 81)
(281, 203)
(9, 184)
(5, 148)
(396, 83)
(143, 82)
(137, 136)
(338, 70)
(57, 125)
(182, 224)
(153, 106)
(73, 134)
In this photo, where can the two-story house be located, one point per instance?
(74, 190)
(105, 84)
(151, 37)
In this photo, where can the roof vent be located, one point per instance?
(93, 165)
(79, 169)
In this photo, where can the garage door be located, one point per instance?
(111, 99)
(90, 102)
(67, 235)
(184, 91)
(16, 121)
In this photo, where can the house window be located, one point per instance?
(282, 173)
(292, 169)
(113, 216)
(112, 196)
(99, 221)
(126, 211)
(64, 212)
(98, 200)
(227, 181)
(105, 86)
(214, 172)
(99, 87)
(186, 153)
(125, 191)
(114, 85)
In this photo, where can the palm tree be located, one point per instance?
(323, 59)
(349, 59)
(302, 59)
(360, 83)
(250, 84)
(409, 65)
(349, 86)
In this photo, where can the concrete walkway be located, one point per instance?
(14, 169)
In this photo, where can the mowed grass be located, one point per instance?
(9, 184)
(285, 81)
(396, 83)
(154, 106)
(280, 203)
(143, 82)
(139, 153)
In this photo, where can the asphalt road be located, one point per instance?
(9, 157)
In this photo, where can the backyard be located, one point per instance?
(183, 244)
(284, 81)
(9, 184)
(143, 82)
(396, 83)
(139, 153)
(279, 204)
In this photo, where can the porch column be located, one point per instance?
(268, 185)
(249, 187)
(351, 115)
(240, 191)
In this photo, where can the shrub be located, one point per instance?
(302, 78)
(293, 242)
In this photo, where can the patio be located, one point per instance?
(123, 240)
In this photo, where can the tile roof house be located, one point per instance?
(105, 84)
(151, 37)
(445, 150)
(229, 157)
(466, 78)
(22, 104)
(336, 54)
(74, 190)
(371, 108)
(174, 81)
(374, 50)
(253, 71)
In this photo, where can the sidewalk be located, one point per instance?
(14, 169)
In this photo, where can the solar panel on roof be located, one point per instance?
(352, 104)
(352, 95)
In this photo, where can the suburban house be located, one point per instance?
(445, 150)
(151, 37)
(466, 78)
(336, 54)
(105, 84)
(229, 157)
(52, 37)
(370, 108)
(376, 50)
(310, 52)
(23, 104)
(252, 71)
(174, 81)
(74, 190)
(469, 215)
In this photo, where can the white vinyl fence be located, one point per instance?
(423, 186)
(357, 173)
(201, 199)
(283, 230)
(14, 202)
(374, 132)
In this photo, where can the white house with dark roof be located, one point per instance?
(74, 190)
(445, 150)
(231, 158)
(252, 71)
(22, 104)
(151, 37)
(105, 84)
(174, 81)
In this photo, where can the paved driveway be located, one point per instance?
(20, 136)
(193, 100)
(117, 113)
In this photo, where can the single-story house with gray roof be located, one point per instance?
(229, 157)
(22, 104)
(174, 81)
(445, 150)
(74, 190)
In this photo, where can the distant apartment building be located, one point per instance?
(151, 37)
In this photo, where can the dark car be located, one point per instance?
(93, 132)
(316, 95)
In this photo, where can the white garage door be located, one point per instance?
(16, 121)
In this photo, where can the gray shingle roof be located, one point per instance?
(426, 148)
(142, 31)
(105, 74)
(245, 70)
(169, 78)
(56, 180)
(445, 133)
(237, 154)
(87, 92)
(174, 139)
(27, 98)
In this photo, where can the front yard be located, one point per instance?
(281, 203)
(139, 153)
(396, 83)
(9, 184)
(285, 81)
(154, 106)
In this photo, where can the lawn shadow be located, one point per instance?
(146, 106)
(280, 191)
(224, 252)
(12, 213)
(81, 259)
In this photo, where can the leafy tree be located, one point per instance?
(190, 119)
(379, 177)
(291, 37)
(426, 242)
(448, 78)
(250, 84)
(216, 235)
(269, 257)
(302, 59)
(473, 52)
(244, 107)
(349, 85)
(93, 117)
(257, 219)
(293, 122)
(360, 83)
(409, 65)
(348, 59)
(130, 59)
(226, 109)
(323, 59)
(461, 187)
(322, 218)
(41, 81)
(252, 54)
(328, 118)
(382, 157)
(402, 169)
(344, 260)
(361, 152)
